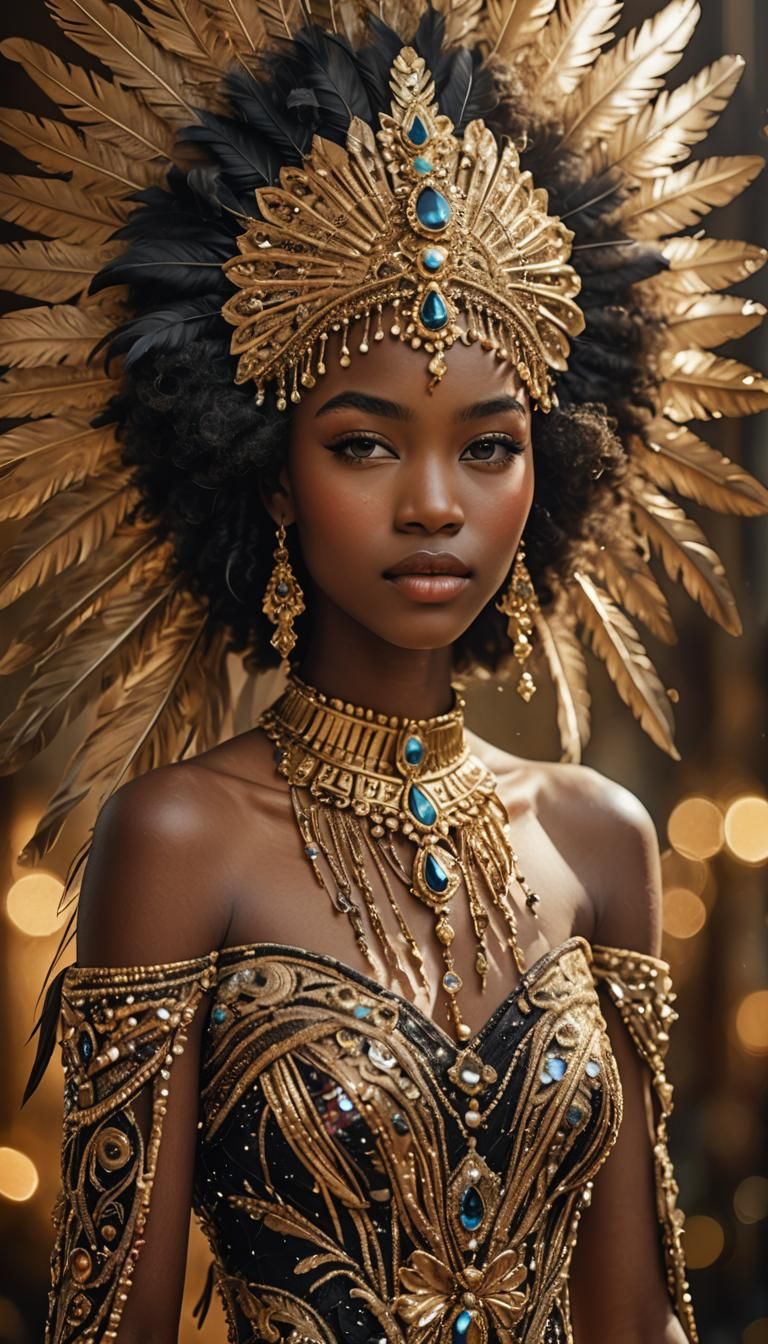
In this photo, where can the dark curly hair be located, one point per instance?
(202, 452)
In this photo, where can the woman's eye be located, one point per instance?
(360, 448)
(495, 449)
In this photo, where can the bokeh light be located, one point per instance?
(750, 1201)
(18, 1175)
(746, 828)
(704, 1240)
(695, 827)
(684, 913)
(752, 1022)
(679, 871)
(32, 904)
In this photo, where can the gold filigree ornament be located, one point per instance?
(449, 232)
(439, 1302)
(283, 599)
(521, 605)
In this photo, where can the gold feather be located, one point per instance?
(109, 111)
(245, 26)
(664, 131)
(667, 204)
(51, 271)
(696, 385)
(63, 683)
(61, 335)
(698, 265)
(72, 451)
(60, 210)
(38, 392)
(614, 639)
(568, 670)
(65, 532)
(205, 696)
(135, 60)
(708, 319)
(626, 574)
(676, 459)
(59, 148)
(462, 18)
(686, 553)
(185, 28)
(623, 79)
(511, 25)
(571, 41)
(132, 558)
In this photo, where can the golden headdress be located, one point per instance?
(175, 103)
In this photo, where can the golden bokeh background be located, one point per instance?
(710, 809)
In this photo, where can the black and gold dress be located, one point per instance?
(360, 1176)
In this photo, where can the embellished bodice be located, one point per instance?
(360, 1176)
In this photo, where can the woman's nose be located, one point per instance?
(428, 498)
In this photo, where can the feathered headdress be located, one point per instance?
(151, 176)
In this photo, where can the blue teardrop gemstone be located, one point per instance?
(422, 165)
(418, 134)
(433, 312)
(421, 808)
(432, 209)
(460, 1327)
(435, 875)
(472, 1209)
(432, 258)
(414, 751)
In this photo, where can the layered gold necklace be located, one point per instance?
(359, 779)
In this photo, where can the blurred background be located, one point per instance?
(710, 809)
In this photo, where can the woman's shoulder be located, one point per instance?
(604, 831)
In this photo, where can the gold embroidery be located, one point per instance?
(641, 988)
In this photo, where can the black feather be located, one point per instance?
(168, 267)
(166, 330)
(258, 106)
(375, 62)
(45, 1029)
(246, 160)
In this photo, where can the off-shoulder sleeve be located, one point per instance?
(121, 1030)
(641, 988)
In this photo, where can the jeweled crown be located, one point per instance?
(446, 231)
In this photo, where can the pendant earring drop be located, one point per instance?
(521, 605)
(283, 600)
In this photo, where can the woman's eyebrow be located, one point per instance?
(392, 410)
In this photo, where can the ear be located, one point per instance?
(279, 503)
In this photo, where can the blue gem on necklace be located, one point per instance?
(422, 165)
(432, 258)
(435, 875)
(460, 1327)
(472, 1210)
(432, 209)
(433, 312)
(414, 751)
(418, 133)
(420, 806)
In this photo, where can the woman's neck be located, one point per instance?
(358, 667)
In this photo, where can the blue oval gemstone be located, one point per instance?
(433, 312)
(84, 1046)
(219, 1015)
(460, 1327)
(573, 1115)
(414, 751)
(418, 133)
(361, 1010)
(556, 1067)
(432, 209)
(421, 808)
(472, 1209)
(435, 875)
(432, 258)
(422, 165)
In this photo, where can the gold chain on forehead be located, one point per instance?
(413, 218)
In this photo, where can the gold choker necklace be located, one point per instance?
(357, 779)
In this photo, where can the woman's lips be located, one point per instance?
(429, 576)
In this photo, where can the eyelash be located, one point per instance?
(512, 446)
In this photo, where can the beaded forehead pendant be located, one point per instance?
(448, 233)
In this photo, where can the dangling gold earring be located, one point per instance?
(283, 600)
(521, 605)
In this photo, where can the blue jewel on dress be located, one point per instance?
(432, 209)
(418, 133)
(573, 1115)
(435, 875)
(555, 1067)
(85, 1047)
(311, 852)
(460, 1327)
(593, 1068)
(420, 806)
(422, 165)
(432, 258)
(361, 1010)
(219, 1015)
(433, 312)
(414, 751)
(472, 1209)
(345, 1103)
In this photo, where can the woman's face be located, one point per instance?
(409, 505)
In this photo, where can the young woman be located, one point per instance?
(381, 1001)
